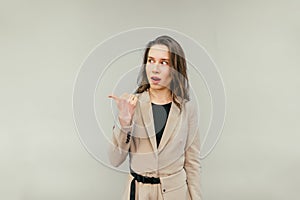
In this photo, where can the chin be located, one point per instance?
(157, 87)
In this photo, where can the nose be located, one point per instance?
(155, 68)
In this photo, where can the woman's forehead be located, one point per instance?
(159, 51)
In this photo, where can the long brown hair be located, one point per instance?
(180, 84)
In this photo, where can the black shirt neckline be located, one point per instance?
(161, 104)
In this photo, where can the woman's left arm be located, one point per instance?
(192, 156)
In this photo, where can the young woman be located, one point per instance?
(158, 128)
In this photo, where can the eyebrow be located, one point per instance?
(161, 58)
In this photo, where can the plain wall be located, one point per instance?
(255, 45)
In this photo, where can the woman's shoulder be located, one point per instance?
(138, 95)
(143, 96)
(191, 105)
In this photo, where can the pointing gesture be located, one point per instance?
(126, 104)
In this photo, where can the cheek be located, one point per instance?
(147, 69)
(167, 73)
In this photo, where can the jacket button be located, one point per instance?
(164, 190)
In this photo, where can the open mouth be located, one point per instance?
(155, 78)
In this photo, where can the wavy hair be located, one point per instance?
(180, 84)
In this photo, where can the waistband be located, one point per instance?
(142, 179)
(168, 183)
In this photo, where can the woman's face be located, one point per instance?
(157, 67)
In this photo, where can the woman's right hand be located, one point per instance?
(126, 104)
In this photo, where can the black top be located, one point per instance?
(160, 116)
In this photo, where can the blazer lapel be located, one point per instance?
(147, 115)
(148, 120)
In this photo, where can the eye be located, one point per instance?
(150, 60)
(165, 62)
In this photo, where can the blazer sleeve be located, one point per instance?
(192, 155)
(119, 148)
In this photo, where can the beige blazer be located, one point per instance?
(176, 160)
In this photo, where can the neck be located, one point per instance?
(160, 96)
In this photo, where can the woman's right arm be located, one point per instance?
(119, 148)
(122, 130)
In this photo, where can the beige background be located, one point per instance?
(255, 44)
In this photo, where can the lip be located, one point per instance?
(154, 81)
(155, 78)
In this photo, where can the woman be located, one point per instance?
(158, 129)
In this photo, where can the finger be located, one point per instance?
(131, 98)
(134, 100)
(125, 96)
(113, 97)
